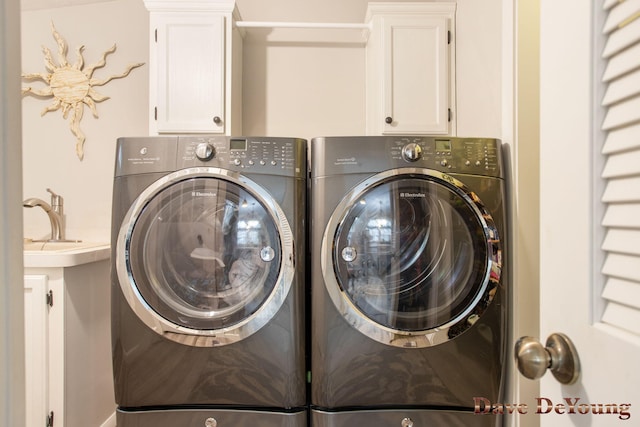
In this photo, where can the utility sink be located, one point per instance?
(62, 245)
(65, 253)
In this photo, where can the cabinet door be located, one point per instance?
(190, 73)
(36, 349)
(416, 75)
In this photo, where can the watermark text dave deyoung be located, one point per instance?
(543, 406)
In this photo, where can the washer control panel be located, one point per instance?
(412, 152)
(246, 154)
(261, 153)
(205, 151)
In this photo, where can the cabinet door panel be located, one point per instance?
(190, 53)
(36, 349)
(416, 78)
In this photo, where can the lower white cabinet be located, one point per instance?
(36, 322)
(68, 346)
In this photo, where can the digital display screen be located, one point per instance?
(443, 145)
(238, 144)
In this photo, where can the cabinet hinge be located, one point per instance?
(155, 35)
(449, 114)
(50, 298)
(448, 37)
(50, 419)
(155, 113)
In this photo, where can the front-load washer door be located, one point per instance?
(411, 257)
(205, 257)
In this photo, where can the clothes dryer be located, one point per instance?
(208, 250)
(409, 290)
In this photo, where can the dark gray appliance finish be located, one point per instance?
(409, 285)
(213, 418)
(402, 418)
(208, 250)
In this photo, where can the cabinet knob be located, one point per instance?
(217, 120)
(388, 120)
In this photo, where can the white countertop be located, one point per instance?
(64, 254)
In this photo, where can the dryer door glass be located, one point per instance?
(411, 254)
(204, 253)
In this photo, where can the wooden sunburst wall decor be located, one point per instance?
(71, 85)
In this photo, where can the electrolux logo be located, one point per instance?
(412, 195)
(201, 194)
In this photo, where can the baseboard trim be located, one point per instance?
(110, 422)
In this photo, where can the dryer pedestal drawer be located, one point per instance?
(402, 417)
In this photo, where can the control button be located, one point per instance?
(205, 151)
(349, 254)
(478, 163)
(467, 163)
(237, 162)
(443, 162)
(210, 422)
(406, 422)
(267, 254)
(251, 162)
(273, 163)
(262, 162)
(412, 152)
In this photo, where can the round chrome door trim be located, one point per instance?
(205, 337)
(404, 338)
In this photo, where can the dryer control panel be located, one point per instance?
(461, 155)
(370, 154)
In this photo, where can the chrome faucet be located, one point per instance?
(53, 210)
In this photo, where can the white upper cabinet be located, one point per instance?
(411, 69)
(195, 67)
(190, 67)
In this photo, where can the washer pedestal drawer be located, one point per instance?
(210, 418)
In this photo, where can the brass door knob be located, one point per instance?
(559, 356)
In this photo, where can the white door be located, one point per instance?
(570, 283)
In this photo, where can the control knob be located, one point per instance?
(205, 151)
(412, 152)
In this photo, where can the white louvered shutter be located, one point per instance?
(621, 173)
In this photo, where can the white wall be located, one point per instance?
(12, 388)
(303, 89)
(479, 80)
(310, 83)
(49, 157)
(524, 119)
(301, 83)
